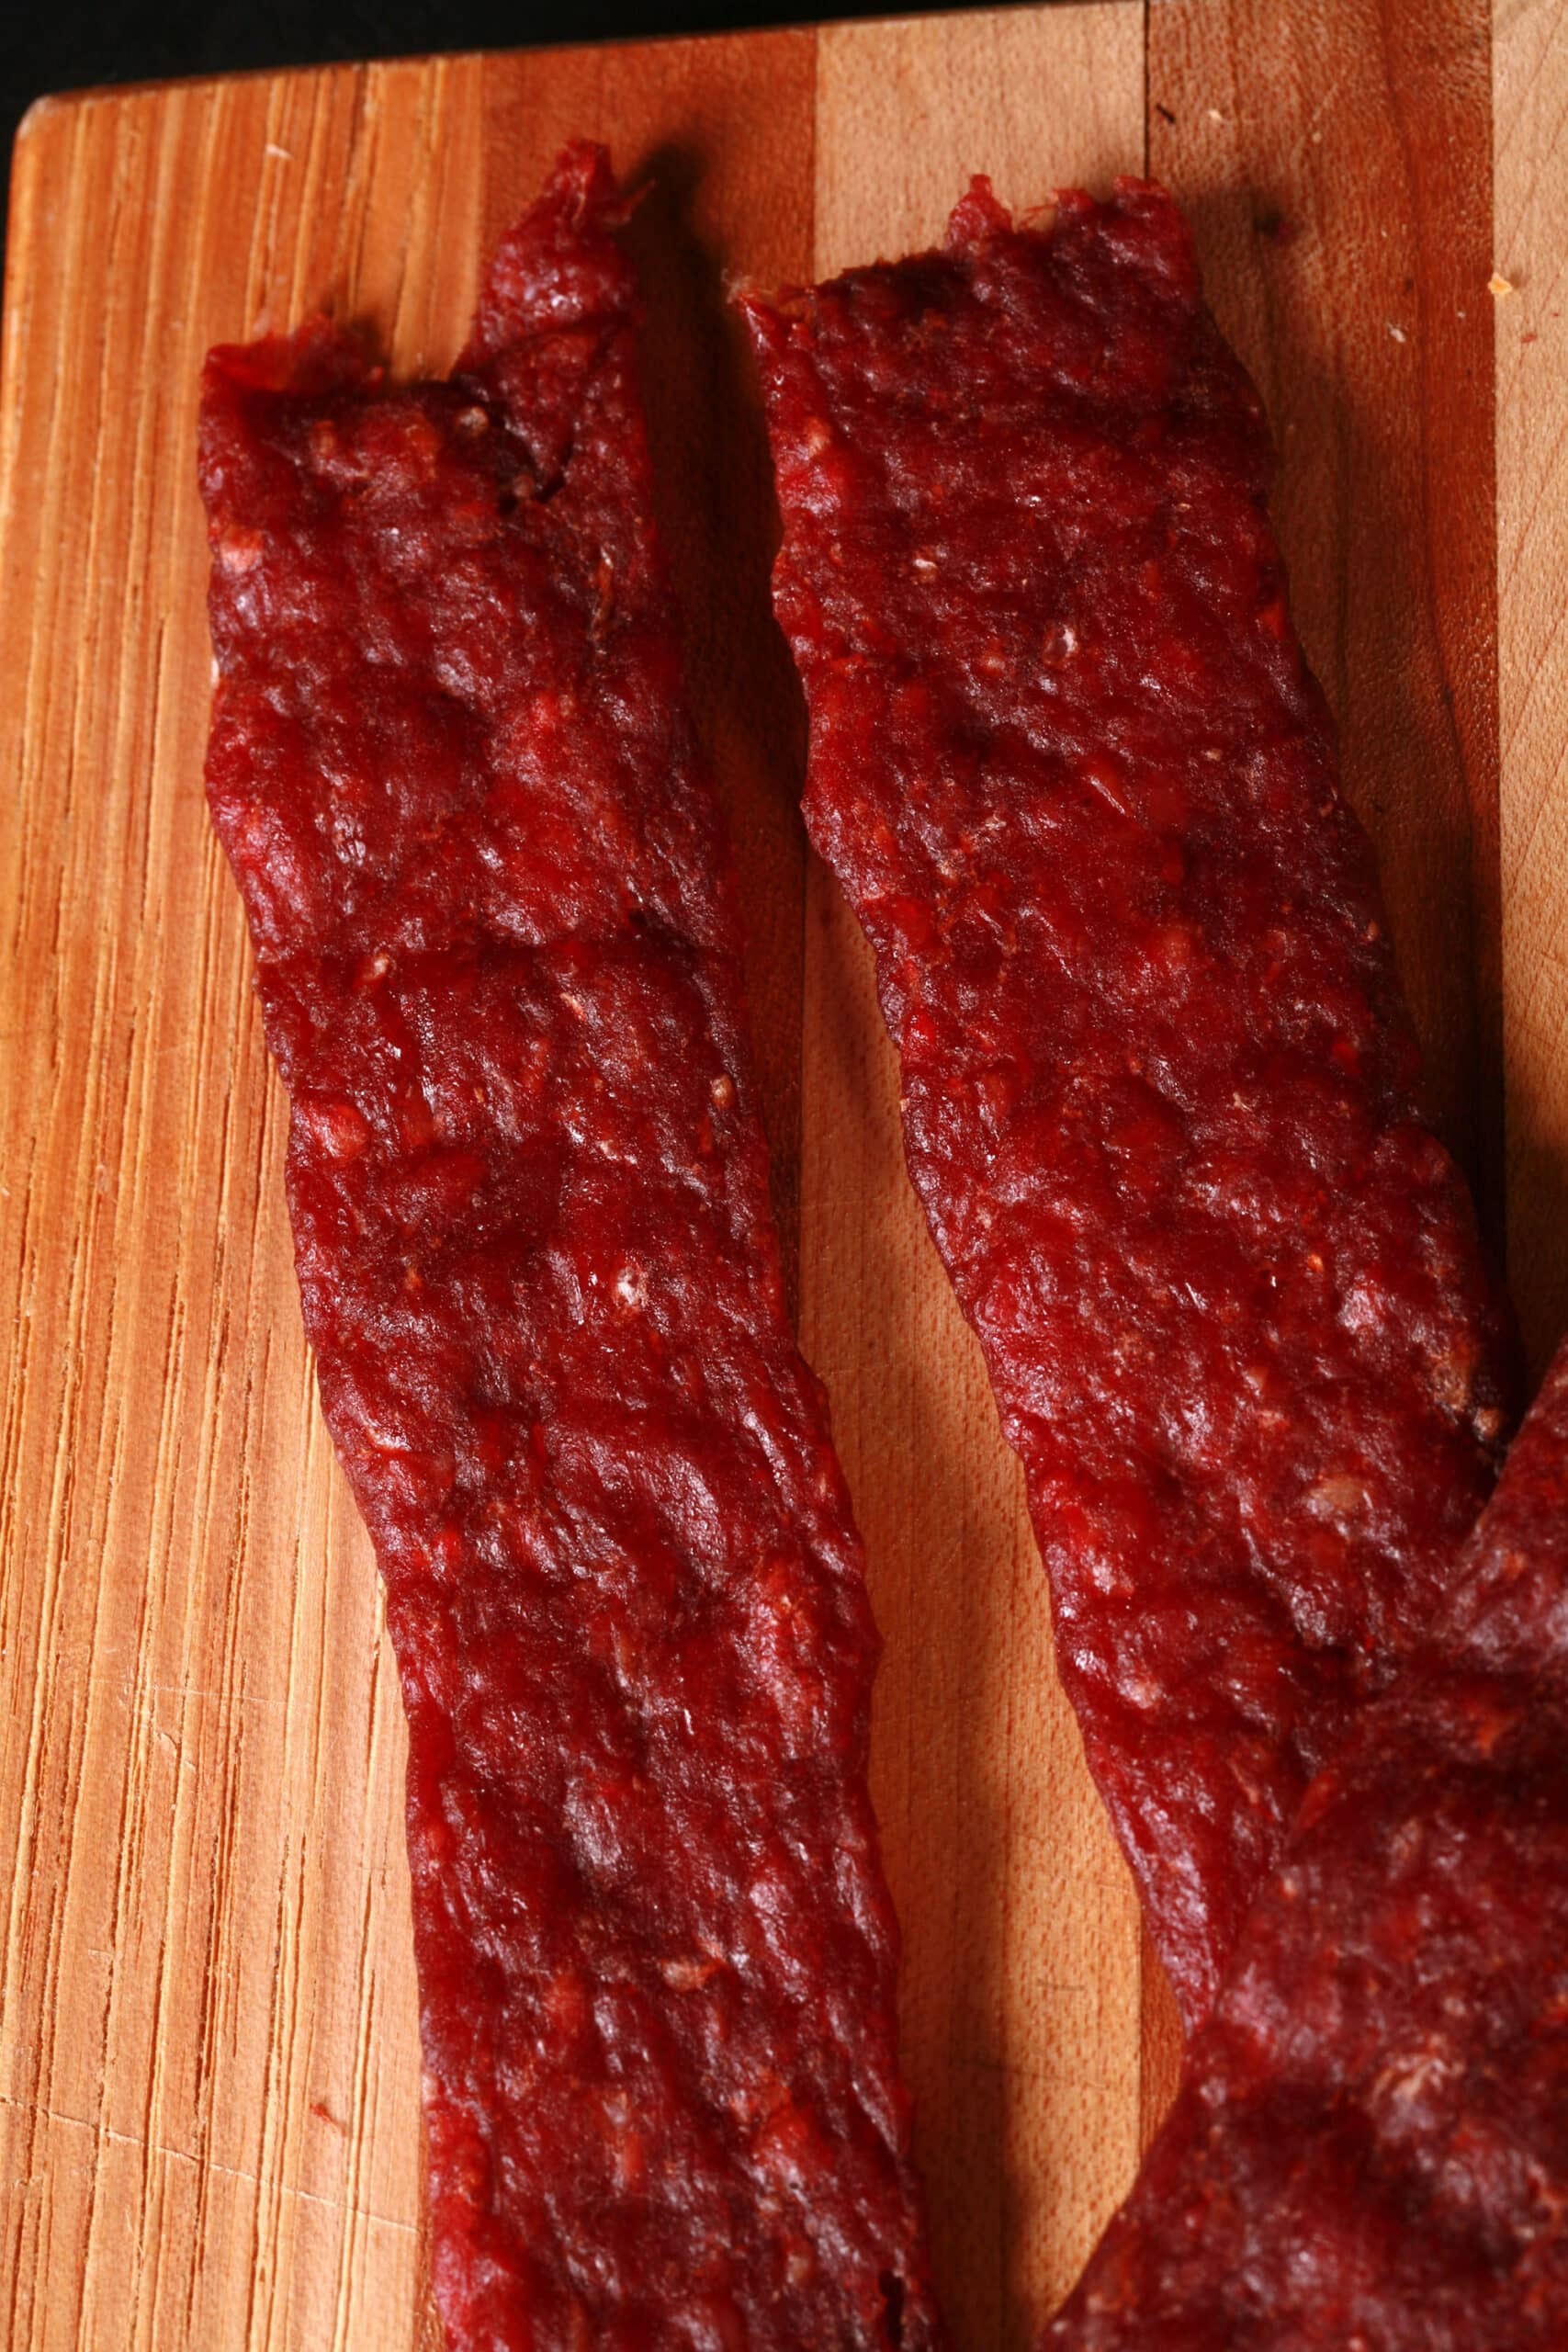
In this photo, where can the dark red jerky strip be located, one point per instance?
(499, 964)
(1369, 2151)
(1158, 1078)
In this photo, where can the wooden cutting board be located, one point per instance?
(209, 2072)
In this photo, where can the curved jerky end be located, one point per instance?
(1370, 2145)
(1158, 1078)
(559, 268)
(495, 934)
(558, 291)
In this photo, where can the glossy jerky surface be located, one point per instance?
(1370, 2145)
(1158, 1080)
(498, 960)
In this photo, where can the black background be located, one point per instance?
(75, 43)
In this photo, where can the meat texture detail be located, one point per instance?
(1159, 1084)
(498, 959)
(1369, 2148)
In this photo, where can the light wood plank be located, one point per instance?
(908, 109)
(1022, 1943)
(1530, 96)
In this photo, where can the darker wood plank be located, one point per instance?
(1336, 156)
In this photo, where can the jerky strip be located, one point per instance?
(498, 960)
(1158, 1079)
(1370, 2144)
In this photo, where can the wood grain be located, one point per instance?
(1530, 87)
(1023, 1952)
(209, 2066)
